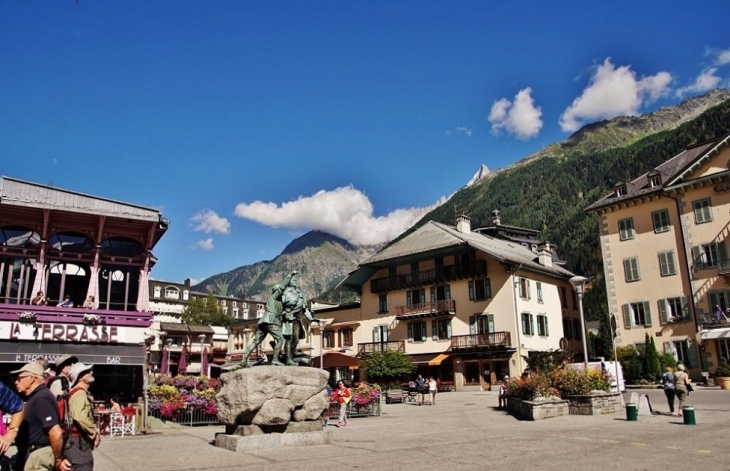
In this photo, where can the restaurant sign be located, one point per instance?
(77, 333)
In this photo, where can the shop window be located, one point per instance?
(70, 242)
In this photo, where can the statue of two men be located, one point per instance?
(282, 320)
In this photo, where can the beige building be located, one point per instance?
(665, 259)
(464, 304)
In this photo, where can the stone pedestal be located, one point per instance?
(538, 410)
(244, 444)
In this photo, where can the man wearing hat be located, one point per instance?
(60, 384)
(44, 434)
(85, 435)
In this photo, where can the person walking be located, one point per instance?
(10, 403)
(668, 384)
(420, 389)
(343, 396)
(85, 436)
(681, 381)
(432, 389)
(44, 436)
(60, 384)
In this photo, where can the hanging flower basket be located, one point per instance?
(91, 319)
(27, 317)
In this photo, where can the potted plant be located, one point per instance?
(722, 374)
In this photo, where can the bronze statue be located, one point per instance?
(294, 307)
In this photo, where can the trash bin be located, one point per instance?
(632, 412)
(688, 412)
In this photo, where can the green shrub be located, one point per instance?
(723, 369)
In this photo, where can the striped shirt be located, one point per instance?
(10, 403)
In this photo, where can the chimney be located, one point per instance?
(545, 254)
(495, 218)
(463, 223)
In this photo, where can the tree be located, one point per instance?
(205, 311)
(652, 366)
(386, 367)
(605, 335)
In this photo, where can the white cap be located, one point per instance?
(77, 371)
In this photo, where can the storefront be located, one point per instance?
(482, 369)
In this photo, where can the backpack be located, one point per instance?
(64, 417)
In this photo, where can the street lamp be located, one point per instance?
(321, 347)
(579, 283)
(201, 338)
(169, 344)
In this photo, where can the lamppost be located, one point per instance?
(201, 338)
(169, 344)
(579, 283)
(321, 347)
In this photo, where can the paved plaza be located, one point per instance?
(463, 431)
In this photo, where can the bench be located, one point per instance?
(394, 396)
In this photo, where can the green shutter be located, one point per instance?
(627, 270)
(685, 308)
(471, 290)
(663, 316)
(472, 325)
(547, 332)
(626, 310)
(529, 291)
(692, 353)
(722, 250)
(647, 313)
(410, 332)
(524, 324)
(697, 262)
(714, 301)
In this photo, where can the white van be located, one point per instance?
(612, 367)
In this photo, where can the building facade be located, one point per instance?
(663, 242)
(464, 305)
(63, 243)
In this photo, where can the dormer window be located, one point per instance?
(655, 181)
(620, 190)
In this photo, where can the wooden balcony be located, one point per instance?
(371, 347)
(435, 308)
(65, 315)
(493, 340)
(428, 277)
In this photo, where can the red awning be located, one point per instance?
(337, 360)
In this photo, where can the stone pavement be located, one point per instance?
(463, 431)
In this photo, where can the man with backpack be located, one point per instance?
(59, 385)
(84, 434)
(41, 427)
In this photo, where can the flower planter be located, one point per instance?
(595, 403)
(538, 410)
(723, 382)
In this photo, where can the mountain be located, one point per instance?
(546, 191)
(323, 260)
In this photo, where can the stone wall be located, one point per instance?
(538, 410)
(595, 404)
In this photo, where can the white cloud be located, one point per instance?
(521, 118)
(345, 212)
(208, 221)
(723, 58)
(707, 80)
(205, 244)
(613, 91)
(465, 130)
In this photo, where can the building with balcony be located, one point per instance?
(465, 305)
(663, 240)
(64, 243)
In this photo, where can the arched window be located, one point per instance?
(71, 269)
(19, 237)
(122, 246)
(71, 242)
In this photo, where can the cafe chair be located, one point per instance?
(130, 414)
(116, 424)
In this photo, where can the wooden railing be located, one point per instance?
(475, 341)
(71, 315)
(427, 277)
(446, 306)
(371, 347)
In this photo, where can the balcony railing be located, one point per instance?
(371, 347)
(447, 306)
(481, 341)
(723, 267)
(70, 315)
(427, 277)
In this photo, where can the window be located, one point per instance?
(563, 298)
(660, 220)
(441, 329)
(538, 286)
(685, 353)
(524, 288)
(631, 270)
(655, 181)
(225, 310)
(345, 337)
(703, 211)
(223, 302)
(620, 190)
(574, 296)
(673, 310)
(542, 325)
(636, 315)
(382, 303)
(158, 291)
(244, 305)
(414, 272)
(723, 348)
(667, 267)
(172, 293)
(709, 255)
(480, 290)
(380, 333)
(481, 324)
(528, 326)
(236, 313)
(328, 339)
(415, 297)
(234, 304)
(577, 330)
(245, 313)
(626, 229)
(718, 300)
(186, 295)
(568, 329)
(417, 331)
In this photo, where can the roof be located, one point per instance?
(672, 172)
(172, 328)
(434, 237)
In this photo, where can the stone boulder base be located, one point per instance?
(271, 396)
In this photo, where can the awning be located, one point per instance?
(337, 360)
(715, 334)
(343, 324)
(431, 359)
(25, 352)
(171, 328)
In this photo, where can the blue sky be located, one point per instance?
(250, 123)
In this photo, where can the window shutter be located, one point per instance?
(410, 331)
(627, 270)
(385, 334)
(488, 288)
(529, 291)
(692, 354)
(447, 291)
(547, 332)
(647, 313)
(524, 323)
(448, 329)
(714, 300)
(685, 308)
(722, 251)
(424, 330)
(490, 323)
(670, 263)
(472, 325)
(422, 295)
(433, 294)
(471, 290)
(663, 263)
(376, 334)
(627, 315)
(663, 316)
(697, 258)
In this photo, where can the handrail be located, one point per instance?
(426, 277)
(74, 315)
(444, 305)
(492, 339)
